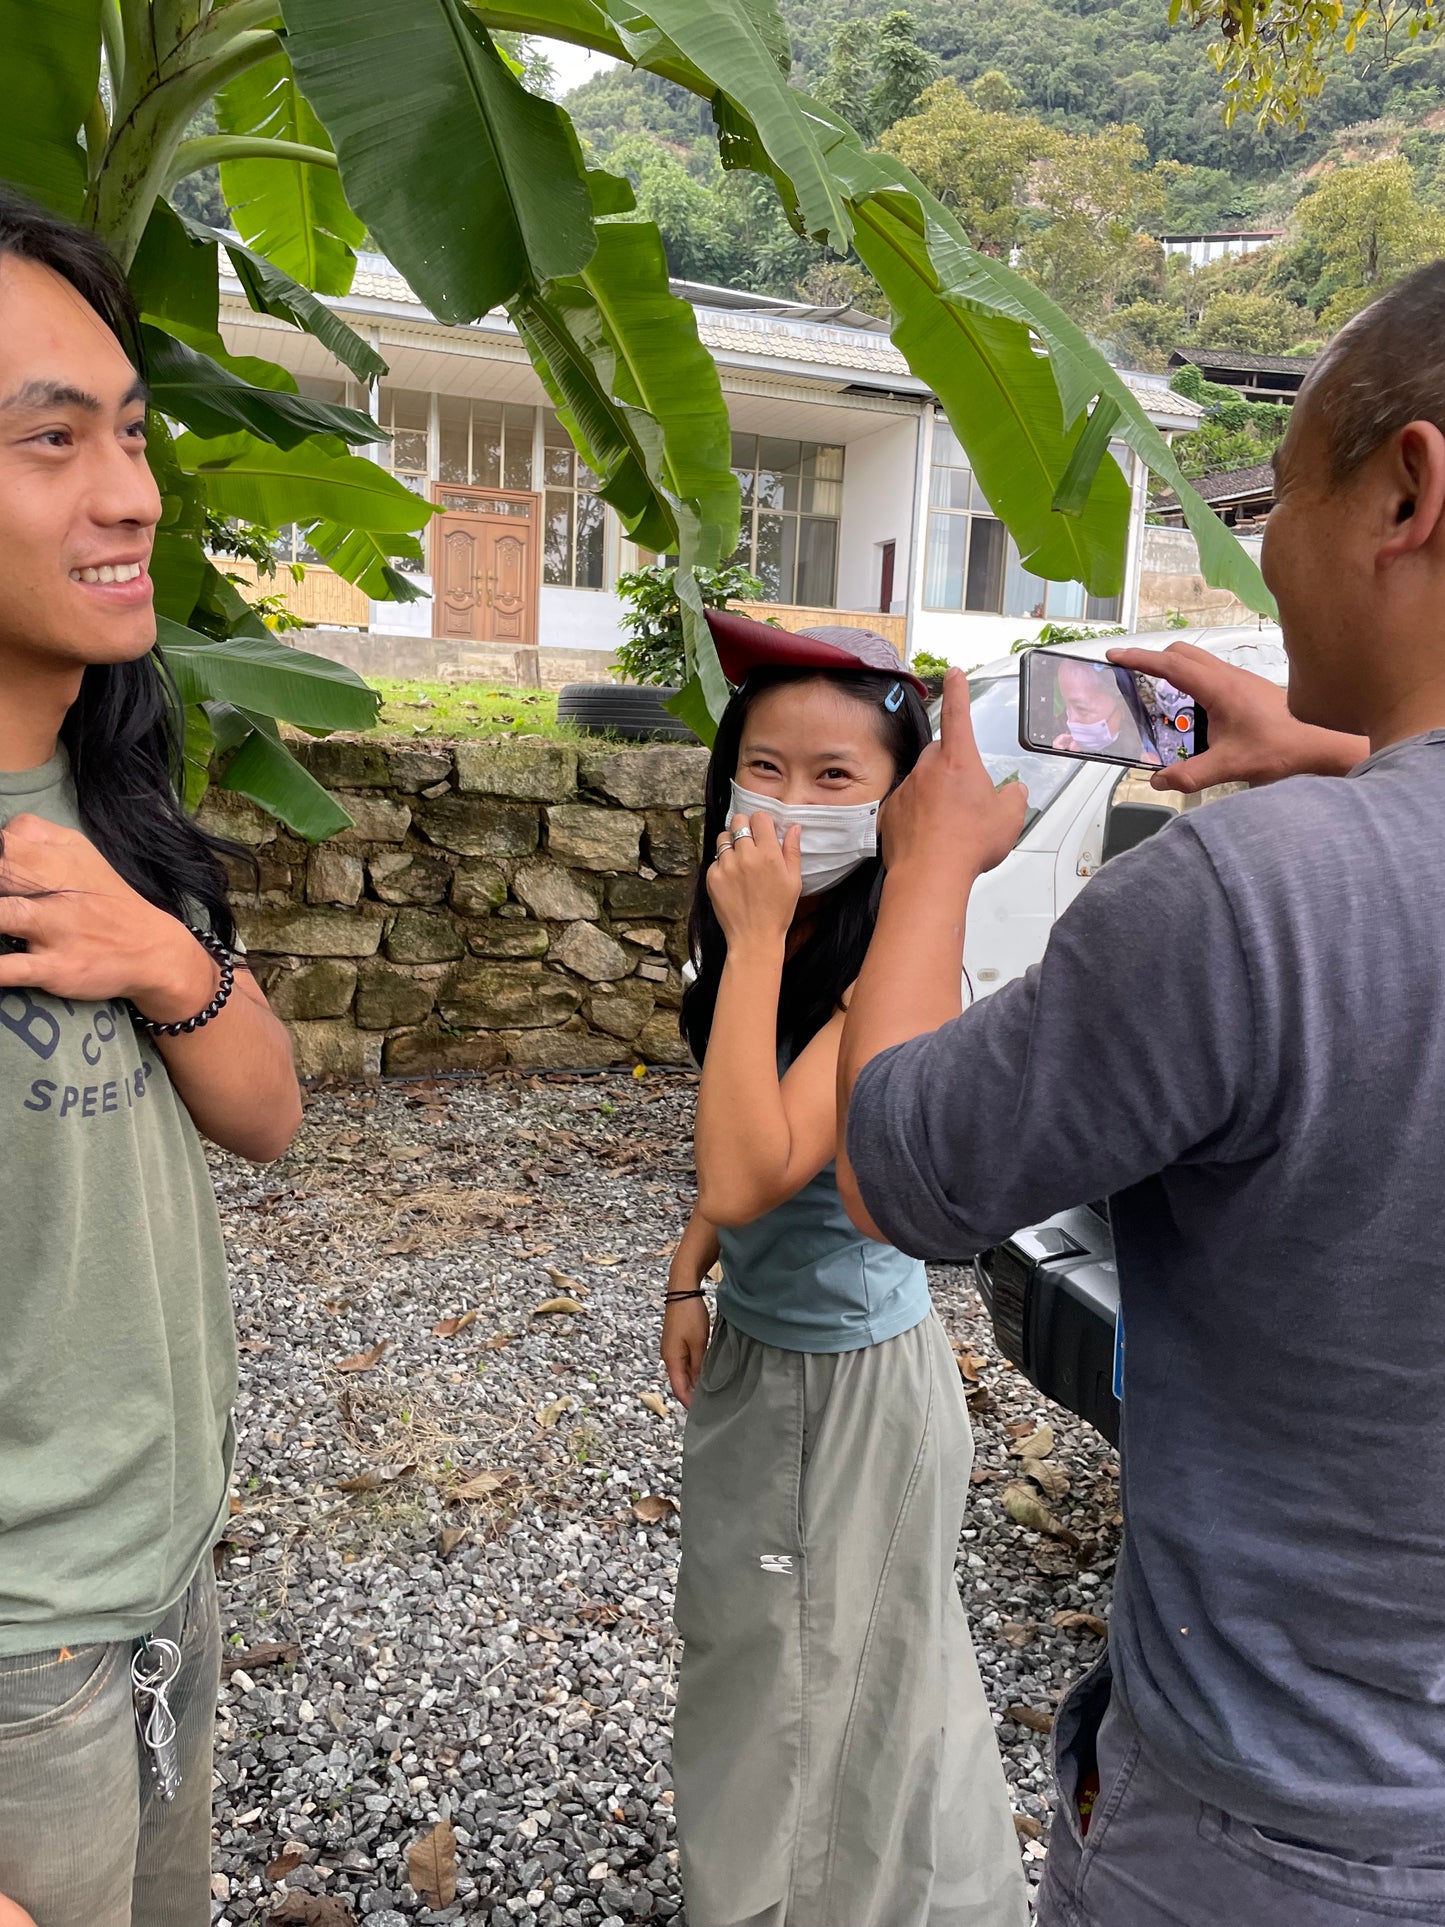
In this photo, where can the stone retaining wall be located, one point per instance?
(516, 902)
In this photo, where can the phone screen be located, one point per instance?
(1077, 706)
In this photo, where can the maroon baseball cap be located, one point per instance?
(744, 643)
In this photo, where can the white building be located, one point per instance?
(1200, 249)
(858, 504)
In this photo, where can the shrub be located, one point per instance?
(652, 617)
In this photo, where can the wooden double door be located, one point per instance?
(485, 565)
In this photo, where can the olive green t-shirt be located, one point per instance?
(117, 1348)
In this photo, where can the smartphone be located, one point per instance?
(1079, 706)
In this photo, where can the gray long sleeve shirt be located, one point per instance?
(1238, 1032)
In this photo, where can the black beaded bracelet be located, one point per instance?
(676, 1297)
(211, 942)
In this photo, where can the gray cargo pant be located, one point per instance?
(1155, 1856)
(85, 1840)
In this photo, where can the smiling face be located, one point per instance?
(77, 499)
(810, 742)
(1090, 698)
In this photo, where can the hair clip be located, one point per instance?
(893, 701)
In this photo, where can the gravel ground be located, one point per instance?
(446, 1585)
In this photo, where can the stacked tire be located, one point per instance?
(633, 711)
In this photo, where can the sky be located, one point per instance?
(573, 64)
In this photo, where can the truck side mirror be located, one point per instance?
(1130, 824)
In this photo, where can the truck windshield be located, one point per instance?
(995, 705)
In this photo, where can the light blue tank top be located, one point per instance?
(804, 1279)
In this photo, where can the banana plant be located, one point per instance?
(407, 120)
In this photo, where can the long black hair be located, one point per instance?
(123, 733)
(818, 972)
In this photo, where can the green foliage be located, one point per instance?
(1235, 433)
(1053, 634)
(924, 663)
(655, 651)
(1367, 228)
(1265, 324)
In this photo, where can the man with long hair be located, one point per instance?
(127, 1030)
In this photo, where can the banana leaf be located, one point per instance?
(210, 399)
(471, 186)
(264, 770)
(723, 39)
(263, 674)
(294, 213)
(271, 291)
(258, 482)
(52, 74)
(363, 558)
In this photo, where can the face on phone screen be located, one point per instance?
(1074, 706)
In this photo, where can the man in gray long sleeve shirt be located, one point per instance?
(1236, 1032)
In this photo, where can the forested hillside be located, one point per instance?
(1067, 137)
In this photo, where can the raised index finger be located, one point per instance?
(955, 729)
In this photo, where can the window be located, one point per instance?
(792, 498)
(971, 561)
(484, 444)
(574, 516)
(406, 414)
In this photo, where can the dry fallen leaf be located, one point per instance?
(401, 1152)
(1051, 1479)
(1032, 1718)
(431, 1866)
(1027, 1828)
(370, 1480)
(497, 1341)
(449, 1327)
(1019, 1428)
(449, 1538)
(1082, 1622)
(313, 1910)
(1018, 1632)
(550, 1307)
(968, 1364)
(1024, 1506)
(363, 1361)
(255, 1345)
(283, 1653)
(655, 1402)
(548, 1416)
(715, 1275)
(590, 1258)
(1037, 1445)
(291, 1856)
(481, 1485)
(235, 1506)
(1052, 1559)
(564, 1283)
(653, 1509)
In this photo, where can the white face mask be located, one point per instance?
(1093, 735)
(837, 837)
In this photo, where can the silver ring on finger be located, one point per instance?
(741, 836)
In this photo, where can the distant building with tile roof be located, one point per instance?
(859, 504)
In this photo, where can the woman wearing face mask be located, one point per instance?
(834, 1758)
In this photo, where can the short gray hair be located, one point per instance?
(1386, 368)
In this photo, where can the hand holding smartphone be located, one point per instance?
(1077, 706)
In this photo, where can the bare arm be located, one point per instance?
(943, 827)
(89, 936)
(759, 1138)
(685, 1322)
(1252, 736)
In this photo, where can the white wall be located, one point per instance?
(578, 618)
(968, 640)
(877, 498)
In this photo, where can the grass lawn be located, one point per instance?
(447, 710)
